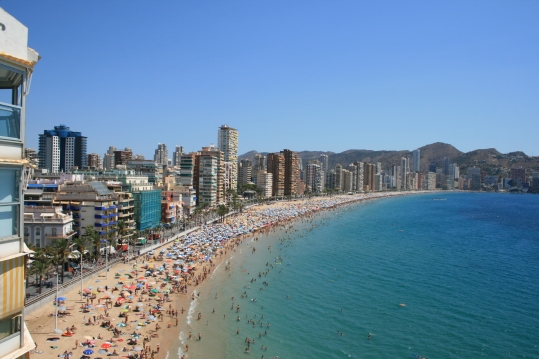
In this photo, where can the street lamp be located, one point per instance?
(106, 258)
(56, 303)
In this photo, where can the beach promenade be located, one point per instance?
(141, 308)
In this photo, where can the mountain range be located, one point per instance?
(489, 160)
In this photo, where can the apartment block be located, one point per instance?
(227, 142)
(276, 166)
(291, 172)
(244, 172)
(122, 157)
(61, 149)
(17, 63)
(265, 182)
(93, 160)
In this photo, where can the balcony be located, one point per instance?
(102, 224)
(60, 235)
(113, 215)
(113, 207)
(100, 208)
(100, 216)
(10, 121)
(74, 208)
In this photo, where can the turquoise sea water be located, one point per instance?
(466, 268)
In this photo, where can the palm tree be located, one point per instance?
(122, 229)
(60, 250)
(94, 238)
(112, 238)
(222, 210)
(40, 266)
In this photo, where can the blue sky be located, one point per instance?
(303, 75)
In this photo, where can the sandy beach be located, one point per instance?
(140, 310)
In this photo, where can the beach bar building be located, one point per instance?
(17, 63)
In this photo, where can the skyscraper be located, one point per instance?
(276, 168)
(291, 172)
(108, 158)
(176, 156)
(161, 154)
(446, 167)
(94, 160)
(416, 157)
(227, 142)
(61, 149)
(404, 170)
(122, 157)
(338, 177)
(324, 160)
(245, 171)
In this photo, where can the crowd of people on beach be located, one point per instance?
(130, 306)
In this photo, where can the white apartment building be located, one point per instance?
(265, 182)
(227, 142)
(45, 224)
(17, 63)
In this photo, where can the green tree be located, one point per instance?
(40, 265)
(94, 238)
(60, 250)
(123, 231)
(222, 210)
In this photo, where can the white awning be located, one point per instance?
(25, 249)
(74, 254)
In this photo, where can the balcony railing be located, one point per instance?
(10, 121)
(100, 216)
(60, 235)
(102, 224)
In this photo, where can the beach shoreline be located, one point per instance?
(40, 323)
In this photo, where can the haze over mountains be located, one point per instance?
(489, 159)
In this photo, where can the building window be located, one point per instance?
(38, 232)
(9, 202)
(9, 326)
(10, 102)
(53, 232)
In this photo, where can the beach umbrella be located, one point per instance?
(137, 349)
(105, 345)
(88, 352)
(62, 298)
(102, 351)
(151, 317)
(120, 325)
(140, 304)
(87, 290)
(125, 310)
(62, 308)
